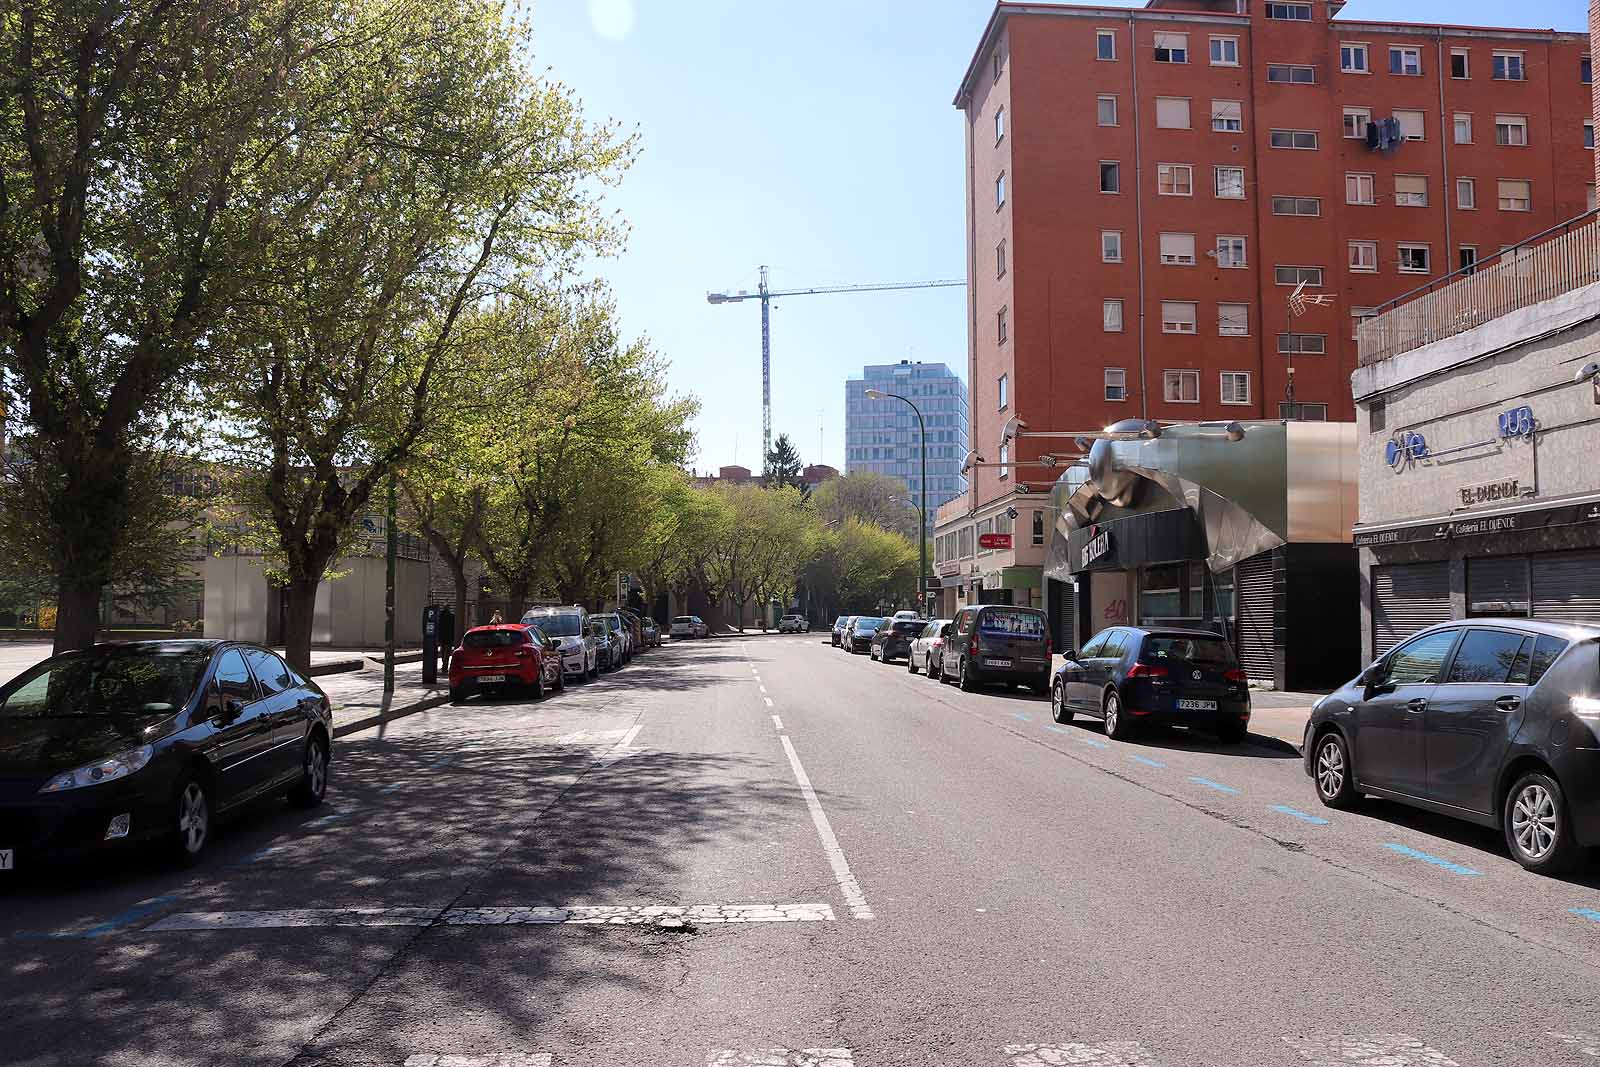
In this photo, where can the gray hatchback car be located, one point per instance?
(1495, 721)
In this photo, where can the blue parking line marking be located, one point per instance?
(326, 819)
(1444, 864)
(1024, 718)
(1092, 741)
(386, 790)
(143, 909)
(256, 856)
(1586, 913)
(1058, 729)
(1314, 820)
(443, 761)
(1218, 786)
(1147, 761)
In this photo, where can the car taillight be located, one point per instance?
(972, 648)
(1145, 670)
(1048, 649)
(1236, 675)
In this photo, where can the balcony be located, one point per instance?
(1559, 260)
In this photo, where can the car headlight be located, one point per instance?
(107, 770)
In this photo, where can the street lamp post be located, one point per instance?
(922, 540)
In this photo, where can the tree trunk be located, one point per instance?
(301, 599)
(458, 575)
(77, 616)
(516, 600)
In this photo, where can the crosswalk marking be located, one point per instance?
(781, 1057)
(575, 914)
(1078, 1054)
(1587, 1044)
(1370, 1050)
(493, 1059)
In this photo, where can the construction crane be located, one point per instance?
(766, 294)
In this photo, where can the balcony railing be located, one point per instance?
(1556, 261)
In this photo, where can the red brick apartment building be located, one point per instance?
(1146, 187)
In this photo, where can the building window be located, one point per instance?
(1111, 316)
(1106, 110)
(1466, 194)
(1413, 259)
(1588, 134)
(1305, 412)
(1000, 259)
(1589, 201)
(1311, 276)
(1227, 116)
(1180, 386)
(1000, 192)
(1302, 344)
(1460, 66)
(1233, 320)
(1172, 47)
(1177, 316)
(1353, 59)
(1230, 183)
(1111, 246)
(1356, 120)
(1469, 258)
(999, 125)
(1236, 387)
(1289, 12)
(1038, 528)
(1000, 386)
(999, 62)
(1405, 60)
(1116, 380)
(1005, 462)
(1360, 189)
(1230, 251)
(1291, 74)
(1175, 179)
(1000, 325)
(1511, 129)
(1303, 139)
(1105, 44)
(1508, 67)
(1463, 128)
(1364, 257)
(1410, 190)
(1413, 126)
(1172, 112)
(1177, 249)
(1224, 51)
(1307, 206)
(1515, 195)
(1110, 177)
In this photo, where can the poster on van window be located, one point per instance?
(1011, 623)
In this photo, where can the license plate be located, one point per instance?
(7, 859)
(997, 663)
(491, 677)
(1197, 705)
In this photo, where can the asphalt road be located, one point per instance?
(767, 852)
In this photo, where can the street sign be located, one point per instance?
(994, 540)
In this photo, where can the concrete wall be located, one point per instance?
(349, 612)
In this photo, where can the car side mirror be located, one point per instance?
(1372, 681)
(230, 711)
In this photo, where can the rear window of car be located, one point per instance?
(1014, 623)
(908, 626)
(1545, 651)
(494, 638)
(683, 618)
(562, 624)
(1205, 651)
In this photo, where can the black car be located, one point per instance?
(858, 638)
(1130, 677)
(838, 629)
(892, 639)
(1495, 721)
(148, 743)
(997, 643)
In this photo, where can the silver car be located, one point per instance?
(689, 626)
(569, 628)
(927, 648)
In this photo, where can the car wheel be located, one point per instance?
(911, 664)
(1058, 705)
(314, 774)
(1119, 727)
(561, 679)
(1336, 785)
(538, 686)
(1537, 830)
(191, 824)
(964, 678)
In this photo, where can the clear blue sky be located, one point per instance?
(818, 138)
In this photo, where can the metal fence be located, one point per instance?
(1556, 261)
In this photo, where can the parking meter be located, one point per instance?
(430, 644)
(447, 635)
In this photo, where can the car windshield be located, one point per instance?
(611, 622)
(867, 625)
(686, 620)
(1201, 651)
(906, 626)
(1015, 623)
(565, 624)
(106, 681)
(494, 638)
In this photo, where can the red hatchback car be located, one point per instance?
(511, 655)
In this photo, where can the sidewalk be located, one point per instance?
(1281, 715)
(358, 697)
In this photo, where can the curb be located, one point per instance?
(400, 712)
(335, 666)
(399, 657)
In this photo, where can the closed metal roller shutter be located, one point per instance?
(1064, 609)
(1497, 586)
(1256, 605)
(1566, 586)
(1406, 599)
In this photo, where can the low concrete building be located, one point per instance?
(1478, 407)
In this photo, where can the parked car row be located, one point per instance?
(546, 649)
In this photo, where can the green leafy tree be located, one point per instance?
(783, 465)
(869, 497)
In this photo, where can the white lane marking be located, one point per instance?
(768, 700)
(538, 915)
(492, 1059)
(622, 750)
(763, 688)
(777, 722)
(781, 1057)
(1077, 1054)
(1369, 1050)
(848, 886)
(1588, 1044)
